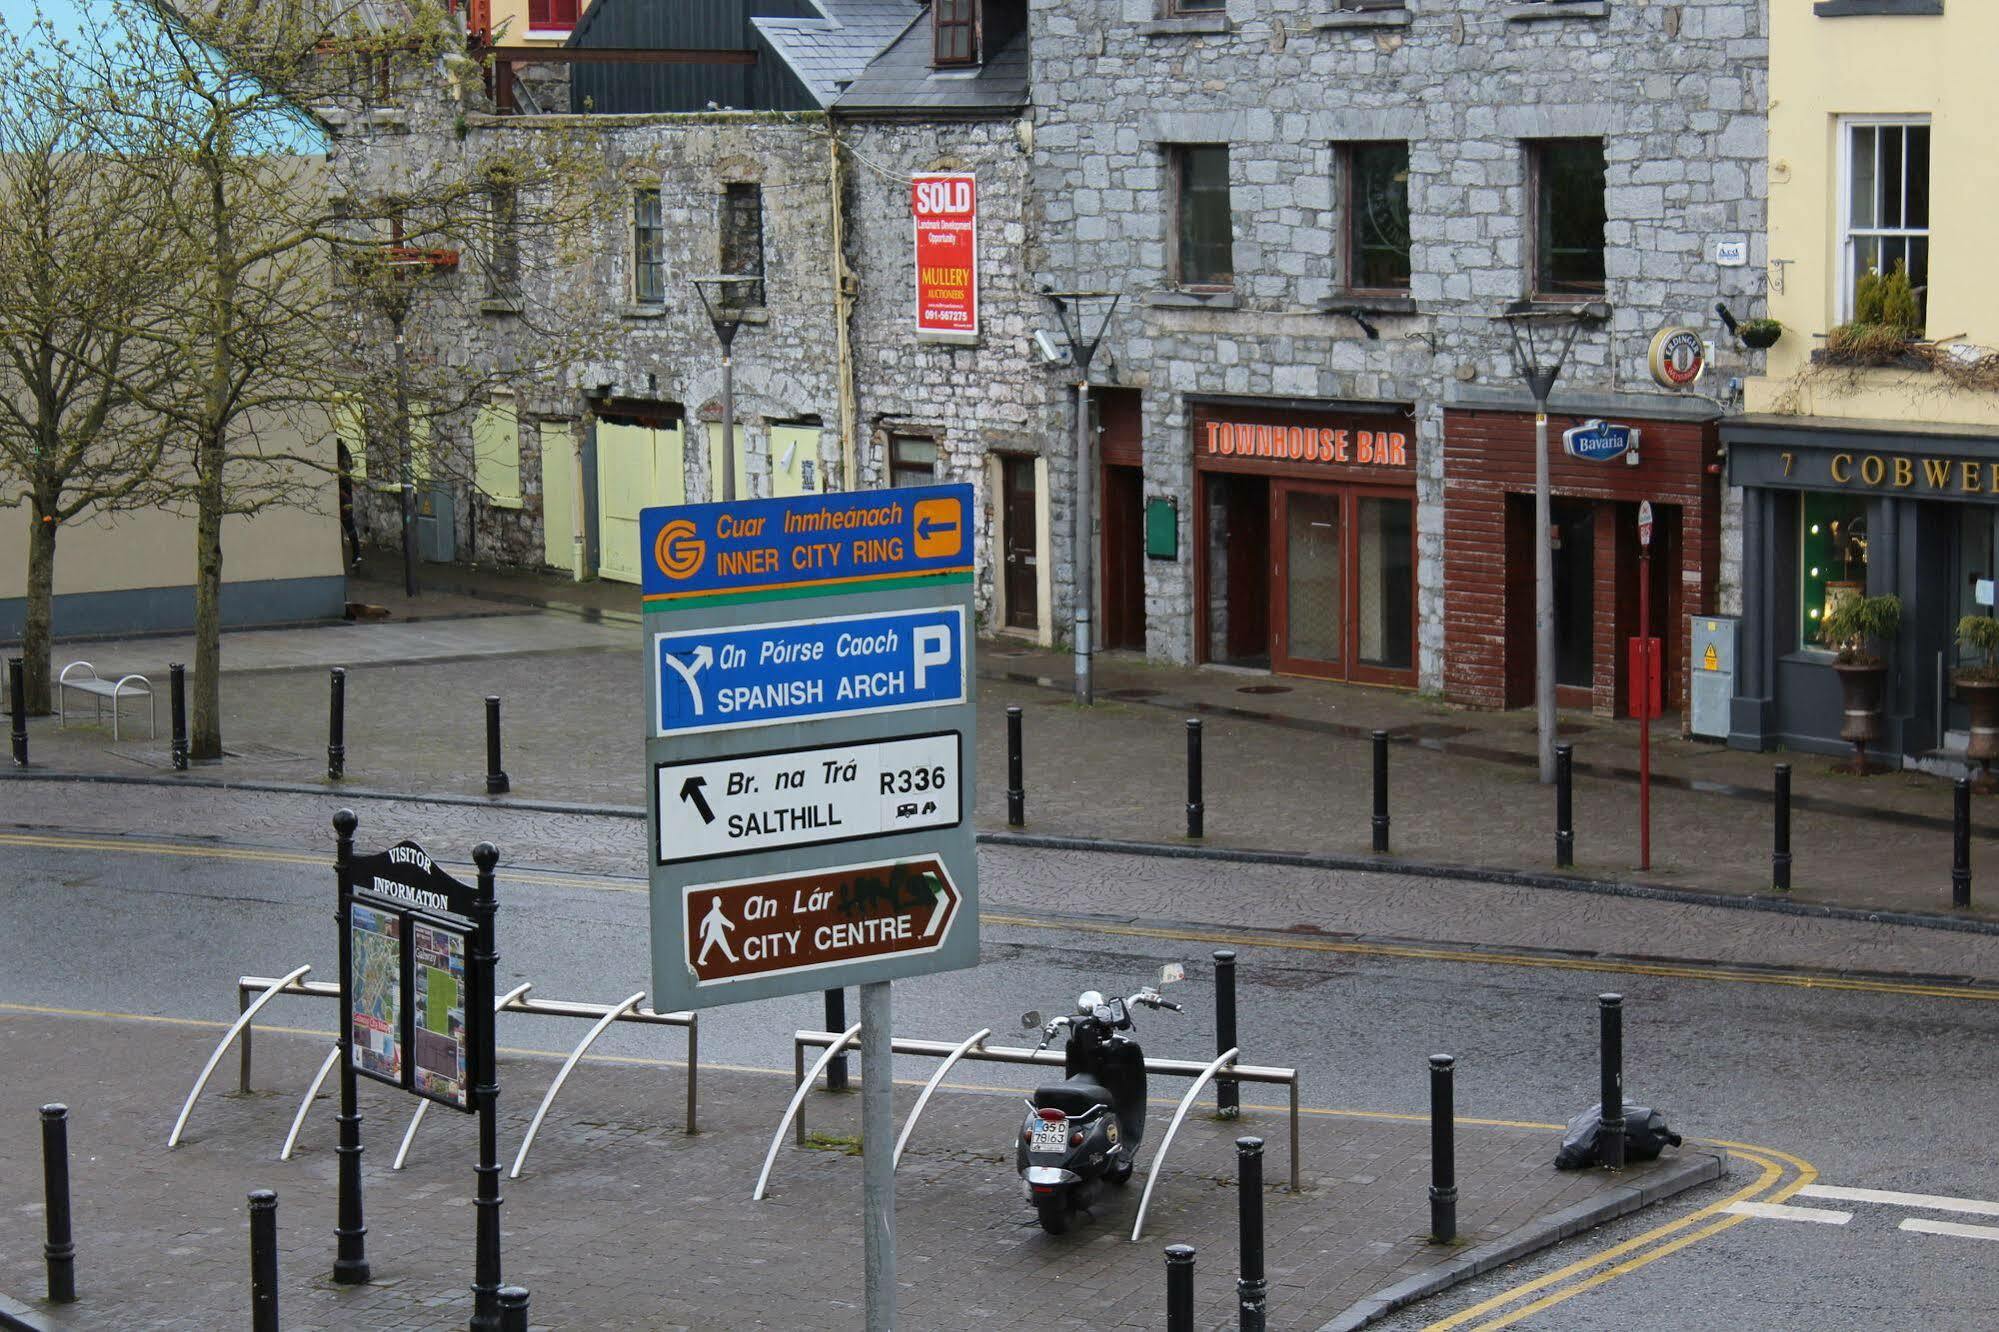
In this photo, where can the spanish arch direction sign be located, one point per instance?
(809, 728)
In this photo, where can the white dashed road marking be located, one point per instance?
(1957, 1228)
(1926, 1202)
(1779, 1212)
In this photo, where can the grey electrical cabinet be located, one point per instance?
(1713, 671)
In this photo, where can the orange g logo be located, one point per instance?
(678, 551)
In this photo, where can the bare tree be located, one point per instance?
(85, 275)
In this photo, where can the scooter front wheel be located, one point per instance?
(1053, 1209)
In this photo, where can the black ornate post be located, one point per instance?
(1565, 809)
(1780, 851)
(177, 693)
(496, 777)
(350, 1262)
(1196, 807)
(336, 727)
(1016, 793)
(1960, 844)
(513, 1309)
(1228, 1092)
(1179, 1288)
(1611, 1077)
(1443, 1151)
(17, 707)
(486, 1312)
(59, 1249)
(263, 1261)
(836, 1022)
(1251, 1290)
(1381, 793)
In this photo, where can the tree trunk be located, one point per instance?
(205, 723)
(37, 628)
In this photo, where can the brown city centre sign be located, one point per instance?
(771, 926)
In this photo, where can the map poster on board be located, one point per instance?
(438, 1043)
(375, 984)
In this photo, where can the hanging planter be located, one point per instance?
(1760, 334)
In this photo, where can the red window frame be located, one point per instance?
(552, 15)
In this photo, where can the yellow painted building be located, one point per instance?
(528, 22)
(1868, 461)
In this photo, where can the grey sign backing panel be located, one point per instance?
(673, 983)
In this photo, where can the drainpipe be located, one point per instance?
(843, 305)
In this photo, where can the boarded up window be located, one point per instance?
(743, 238)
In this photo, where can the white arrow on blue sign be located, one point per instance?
(719, 679)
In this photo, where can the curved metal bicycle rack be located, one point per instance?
(974, 1047)
(837, 1044)
(976, 1040)
(305, 1102)
(271, 990)
(416, 1119)
(1221, 1061)
(548, 1098)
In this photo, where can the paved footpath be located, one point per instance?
(1287, 771)
(616, 1222)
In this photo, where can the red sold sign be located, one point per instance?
(947, 244)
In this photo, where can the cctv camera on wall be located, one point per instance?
(1050, 352)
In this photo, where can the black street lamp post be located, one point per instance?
(1074, 308)
(725, 309)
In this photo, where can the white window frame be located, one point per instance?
(1844, 249)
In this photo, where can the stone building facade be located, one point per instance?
(1674, 93)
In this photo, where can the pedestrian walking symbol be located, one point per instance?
(715, 929)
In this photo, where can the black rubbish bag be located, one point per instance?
(1645, 1136)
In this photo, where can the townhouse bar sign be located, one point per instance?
(946, 210)
(1278, 443)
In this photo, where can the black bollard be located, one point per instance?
(1443, 1152)
(1251, 1290)
(17, 708)
(177, 690)
(263, 1261)
(1610, 1095)
(336, 727)
(1228, 1092)
(1179, 1288)
(1195, 808)
(1960, 844)
(1016, 793)
(1565, 809)
(513, 1309)
(496, 779)
(1381, 793)
(1780, 853)
(836, 1022)
(350, 1231)
(59, 1250)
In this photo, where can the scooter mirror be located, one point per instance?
(1030, 1019)
(1172, 972)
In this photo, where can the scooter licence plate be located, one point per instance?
(1050, 1135)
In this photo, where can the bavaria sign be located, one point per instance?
(810, 695)
(1599, 441)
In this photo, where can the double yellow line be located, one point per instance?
(1780, 1175)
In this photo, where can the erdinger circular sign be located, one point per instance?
(1678, 357)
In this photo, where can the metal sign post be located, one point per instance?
(1651, 668)
(417, 956)
(809, 764)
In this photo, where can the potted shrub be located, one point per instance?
(1850, 629)
(1978, 686)
(1886, 319)
(1760, 334)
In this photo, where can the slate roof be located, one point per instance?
(827, 52)
(902, 81)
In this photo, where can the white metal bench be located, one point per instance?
(125, 686)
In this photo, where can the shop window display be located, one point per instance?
(1832, 558)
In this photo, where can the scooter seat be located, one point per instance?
(1076, 1096)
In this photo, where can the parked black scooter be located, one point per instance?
(1088, 1127)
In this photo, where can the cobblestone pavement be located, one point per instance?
(1038, 881)
(622, 1221)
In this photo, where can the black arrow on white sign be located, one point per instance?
(691, 790)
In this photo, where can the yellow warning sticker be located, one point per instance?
(1710, 660)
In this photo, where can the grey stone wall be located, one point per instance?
(996, 396)
(1677, 92)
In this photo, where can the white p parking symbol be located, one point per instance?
(933, 648)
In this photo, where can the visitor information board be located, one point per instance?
(407, 988)
(809, 703)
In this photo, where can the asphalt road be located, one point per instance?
(1876, 1083)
